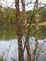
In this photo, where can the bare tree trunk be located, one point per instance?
(24, 15)
(37, 33)
(19, 33)
(26, 30)
(28, 49)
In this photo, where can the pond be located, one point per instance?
(9, 49)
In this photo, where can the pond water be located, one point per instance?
(9, 49)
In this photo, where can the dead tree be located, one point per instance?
(19, 33)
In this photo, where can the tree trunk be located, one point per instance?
(19, 33)
(24, 15)
(37, 34)
(26, 30)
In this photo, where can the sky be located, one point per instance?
(7, 3)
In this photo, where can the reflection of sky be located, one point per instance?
(9, 49)
(13, 50)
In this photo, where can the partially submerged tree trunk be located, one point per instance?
(26, 45)
(19, 33)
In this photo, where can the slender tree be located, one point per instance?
(24, 15)
(19, 33)
(26, 31)
(37, 33)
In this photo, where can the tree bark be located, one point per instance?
(19, 33)
(37, 33)
(26, 31)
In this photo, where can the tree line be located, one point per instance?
(8, 20)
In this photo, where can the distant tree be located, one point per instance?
(42, 13)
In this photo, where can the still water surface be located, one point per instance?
(9, 48)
